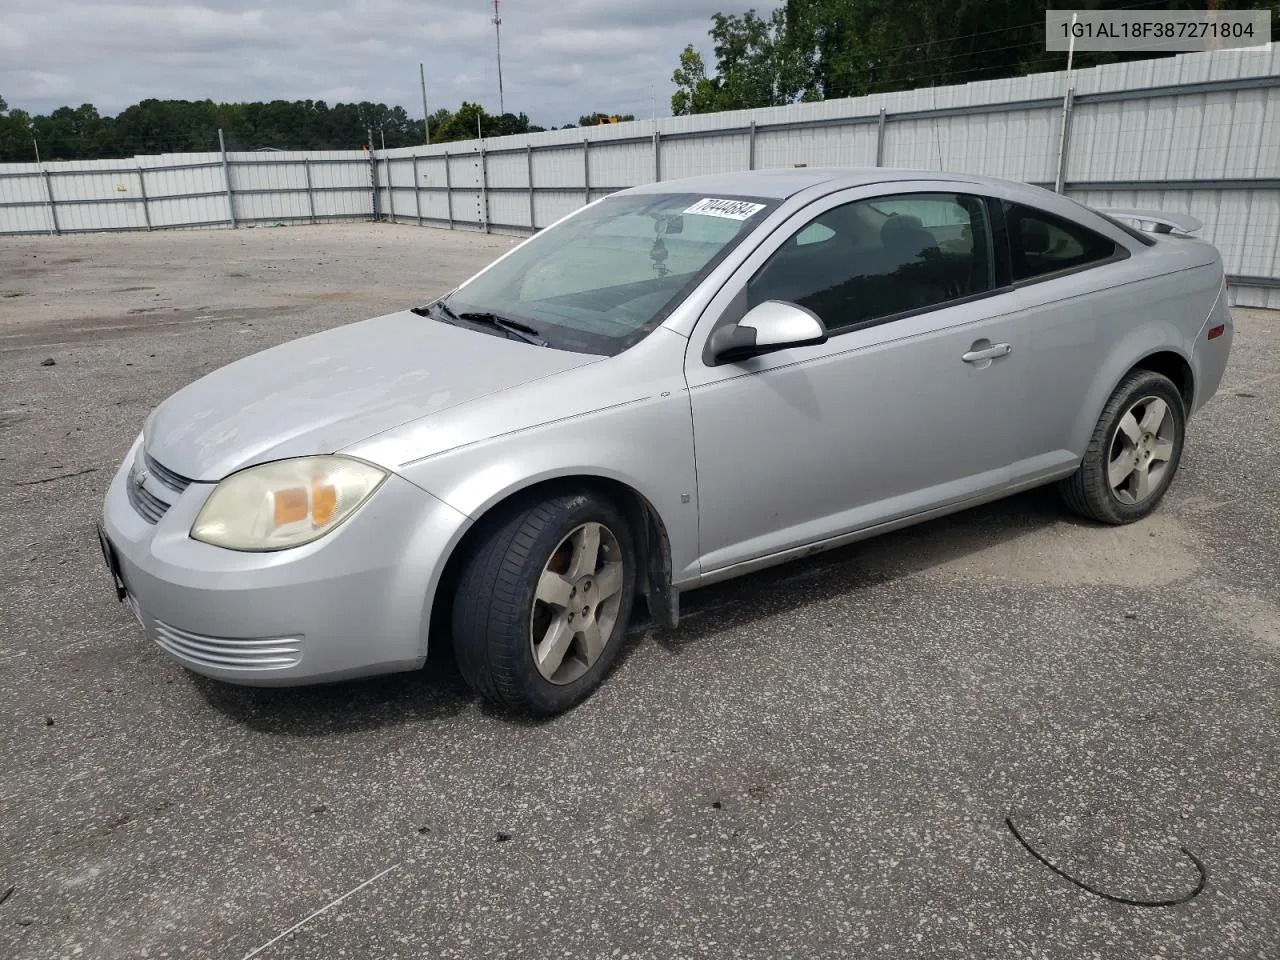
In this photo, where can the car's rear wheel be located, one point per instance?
(543, 602)
(1133, 454)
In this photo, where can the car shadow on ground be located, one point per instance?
(863, 565)
(434, 692)
(438, 690)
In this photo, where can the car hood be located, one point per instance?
(324, 392)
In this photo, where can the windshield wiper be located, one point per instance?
(517, 329)
(425, 311)
(521, 331)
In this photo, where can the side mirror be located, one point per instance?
(767, 327)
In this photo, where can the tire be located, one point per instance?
(1128, 445)
(503, 621)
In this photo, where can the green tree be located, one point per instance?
(695, 92)
(183, 126)
(471, 117)
(15, 134)
(820, 49)
(755, 60)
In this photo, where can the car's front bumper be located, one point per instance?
(355, 602)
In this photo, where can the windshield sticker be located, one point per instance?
(728, 209)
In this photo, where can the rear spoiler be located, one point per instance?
(1159, 222)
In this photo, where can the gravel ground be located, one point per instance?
(819, 763)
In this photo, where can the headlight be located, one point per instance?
(286, 503)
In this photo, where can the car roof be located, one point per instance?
(787, 182)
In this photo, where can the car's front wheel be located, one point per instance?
(543, 602)
(1133, 454)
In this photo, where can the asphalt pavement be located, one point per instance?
(819, 763)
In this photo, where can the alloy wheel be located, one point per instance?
(576, 603)
(1141, 449)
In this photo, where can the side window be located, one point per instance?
(877, 258)
(1041, 243)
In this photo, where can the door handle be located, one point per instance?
(992, 352)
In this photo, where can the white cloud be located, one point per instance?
(559, 59)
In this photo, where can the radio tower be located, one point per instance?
(497, 32)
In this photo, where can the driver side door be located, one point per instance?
(893, 415)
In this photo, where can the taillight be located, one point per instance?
(1216, 332)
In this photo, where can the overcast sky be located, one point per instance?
(560, 58)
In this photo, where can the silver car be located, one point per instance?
(676, 384)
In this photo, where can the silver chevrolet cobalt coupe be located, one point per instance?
(677, 384)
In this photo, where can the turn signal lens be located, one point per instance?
(324, 501)
(285, 504)
(291, 506)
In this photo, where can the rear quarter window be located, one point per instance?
(1042, 244)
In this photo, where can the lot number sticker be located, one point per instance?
(728, 209)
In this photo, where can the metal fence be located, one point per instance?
(1197, 134)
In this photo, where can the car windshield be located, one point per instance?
(600, 281)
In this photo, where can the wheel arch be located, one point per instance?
(1173, 365)
(1153, 352)
(648, 528)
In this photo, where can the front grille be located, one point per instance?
(151, 507)
(227, 653)
(173, 481)
(148, 497)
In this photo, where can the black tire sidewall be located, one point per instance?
(506, 642)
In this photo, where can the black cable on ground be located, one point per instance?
(1204, 876)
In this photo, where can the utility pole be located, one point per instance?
(426, 131)
(1060, 182)
(497, 33)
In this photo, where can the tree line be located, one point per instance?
(186, 126)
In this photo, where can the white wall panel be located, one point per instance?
(507, 170)
(550, 206)
(511, 209)
(23, 188)
(464, 169)
(704, 155)
(25, 220)
(177, 212)
(271, 206)
(467, 207)
(558, 168)
(435, 205)
(621, 164)
(344, 203)
(431, 171)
